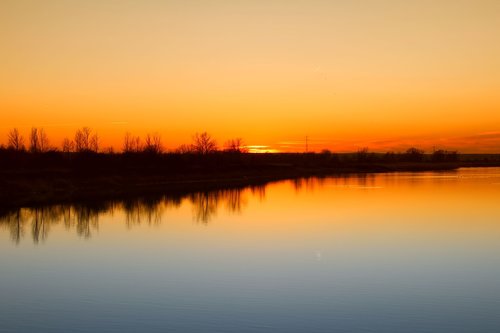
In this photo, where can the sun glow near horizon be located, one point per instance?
(385, 76)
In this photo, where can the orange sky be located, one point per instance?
(349, 74)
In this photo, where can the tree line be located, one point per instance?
(410, 155)
(87, 140)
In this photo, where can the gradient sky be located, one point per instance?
(349, 74)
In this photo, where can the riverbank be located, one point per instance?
(35, 179)
(36, 187)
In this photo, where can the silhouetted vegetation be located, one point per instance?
(363, 155)
(131, 144)
(235, 146)
(152, 144)
(86, 141)
(204, 144)
(444, 156)
(414, 155)
(15, 140)
(82, 169)
(39, 141)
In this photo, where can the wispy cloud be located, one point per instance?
(483, 142)
(484, 135)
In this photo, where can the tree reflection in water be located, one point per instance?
(206, 204)
(84, 217)
(147, 210)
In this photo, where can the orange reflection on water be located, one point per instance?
(394, 207)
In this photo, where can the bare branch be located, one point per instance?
(15, 140)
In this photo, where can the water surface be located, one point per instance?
(398, 252)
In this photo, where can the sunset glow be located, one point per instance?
(385, 75)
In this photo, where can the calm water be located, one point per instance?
(404, 252)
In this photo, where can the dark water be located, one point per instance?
(404, 252)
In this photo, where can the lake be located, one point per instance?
(396, 252)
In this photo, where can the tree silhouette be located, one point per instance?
(34, 145)
(204, 143)
(444, 156)
(68, 145)
(85, 141)
(43, 139)
(131, 144)
(16, 140)
(152, 144)
(414, 154)
(184, 149)
(94, 143)
(39, 141)
(235, 146)
(362, 155)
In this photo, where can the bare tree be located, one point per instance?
(127, 143)
(235, 146)
(444, 156)
(184, 149)
(94, 143)
(82, 139)
(43, 140)
(152, 144)
(39, 141)
(414, 154)
(68, 145)
(204, 143)
(85, 141)
(34, 144)
(16, 140)
(131, 144)
(362, 155)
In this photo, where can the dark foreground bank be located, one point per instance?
(32, 179)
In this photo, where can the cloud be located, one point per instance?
(484, 142)
(485, 135)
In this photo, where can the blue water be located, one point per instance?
(403, 252)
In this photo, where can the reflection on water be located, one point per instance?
(396, 252)
(84, 217)
(38, 221)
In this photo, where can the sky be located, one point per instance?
(385, 75)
